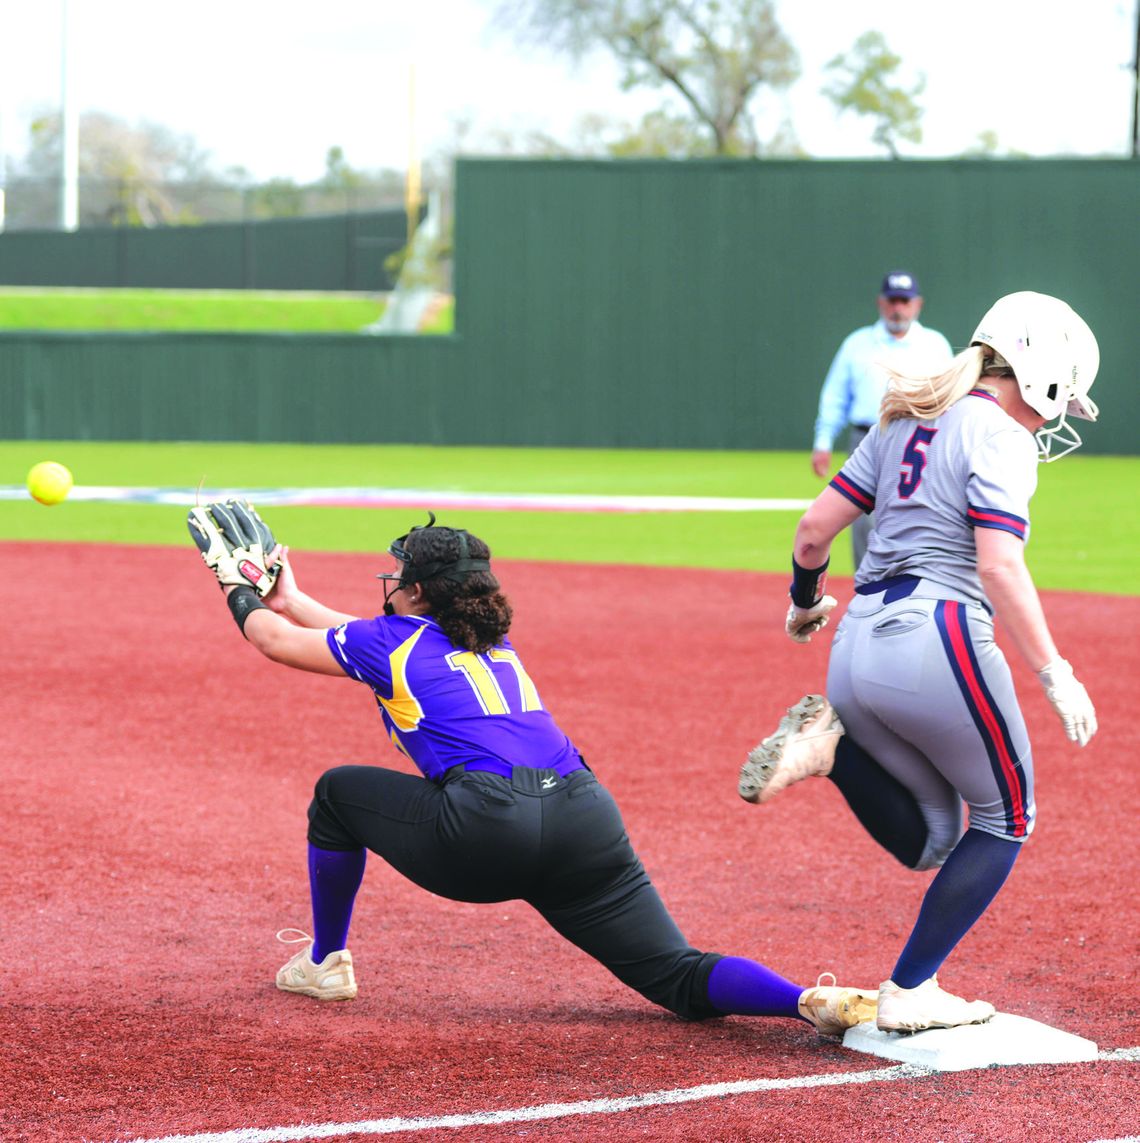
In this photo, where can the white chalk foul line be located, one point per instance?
(302, 1132)
(420, 498)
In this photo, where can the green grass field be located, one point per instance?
(202, 310)
(1084, 535)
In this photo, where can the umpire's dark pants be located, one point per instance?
(557, 843)
(865, 521)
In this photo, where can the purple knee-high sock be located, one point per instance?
(334, 878)
(739, 987)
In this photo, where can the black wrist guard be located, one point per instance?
(243, 601)
(808, 584)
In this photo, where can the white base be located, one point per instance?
(1005, 1039)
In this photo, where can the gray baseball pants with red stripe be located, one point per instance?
(921, 686)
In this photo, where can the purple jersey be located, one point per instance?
(444, 706)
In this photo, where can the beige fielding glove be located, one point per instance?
(236, 544)
(803, 622)
(1070, 700)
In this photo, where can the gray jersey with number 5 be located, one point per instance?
(931, 483)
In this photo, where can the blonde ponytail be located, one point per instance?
(924, 398)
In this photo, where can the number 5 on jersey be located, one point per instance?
(914, 460)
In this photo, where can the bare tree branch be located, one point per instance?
(715, 55)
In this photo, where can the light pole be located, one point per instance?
(69, 132)
(412, 182)
(1136, 88)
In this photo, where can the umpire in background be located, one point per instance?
(857, 378)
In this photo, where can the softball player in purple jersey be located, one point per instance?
(922, 721)
(505, 807)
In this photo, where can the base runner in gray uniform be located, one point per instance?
(923, 723)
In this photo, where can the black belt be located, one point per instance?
(506, 769)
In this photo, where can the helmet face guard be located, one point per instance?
(1056, 440)
(1062, 434)
(412, 571)
(399, 549)
(1054, 358)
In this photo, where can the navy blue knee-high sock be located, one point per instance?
(884, 806)
(334, 878)
(739, 987)
(957, 897)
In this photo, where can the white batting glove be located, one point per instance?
(1070, 700)
(803, 622)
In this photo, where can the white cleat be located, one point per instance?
(802, 747)
(332, 979)
(926, 1006)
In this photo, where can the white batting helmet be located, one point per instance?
(1053, 355)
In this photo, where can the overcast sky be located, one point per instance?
(271, 86)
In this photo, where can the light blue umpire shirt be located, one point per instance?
(856, 381)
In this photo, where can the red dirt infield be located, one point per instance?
(156, 776)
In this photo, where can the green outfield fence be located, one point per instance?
(651, 304)
(334, 252)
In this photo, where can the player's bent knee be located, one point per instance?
(683, 990)
(938, 848)
(325, 828)
(1000, 822)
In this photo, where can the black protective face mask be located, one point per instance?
(393, 581)
(412, 572)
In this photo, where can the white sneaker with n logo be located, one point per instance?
(332, 979)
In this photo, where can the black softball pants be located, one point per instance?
(557, 843)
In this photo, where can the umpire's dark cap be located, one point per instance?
(900, 284)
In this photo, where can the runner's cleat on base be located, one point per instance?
(926, 1006)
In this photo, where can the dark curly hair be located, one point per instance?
(468, 606)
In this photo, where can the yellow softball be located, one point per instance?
(49, 482)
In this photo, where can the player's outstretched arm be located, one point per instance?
(238, 547)
(284, 642)
(1010, 588)
(290, 627)
(289, 600)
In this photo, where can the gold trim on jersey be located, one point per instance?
(403, 707)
